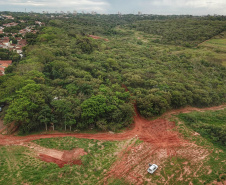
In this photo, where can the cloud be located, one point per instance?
(195, 7)
(79, 5)
(212, 4)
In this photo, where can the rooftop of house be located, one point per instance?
(5, 38)
(18, 38)
(2, 69)
(9, 62)
(4, 65)
(5, 41)
(22, 42)
(19, 47)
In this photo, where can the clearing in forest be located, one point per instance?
(150, 141)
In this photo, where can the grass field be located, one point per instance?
(20, 165)
(217, 47)
(211, 125)
(209, 139)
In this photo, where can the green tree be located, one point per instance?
(85, 44)
(45, 115)
(29, 100)
(64, 111)
(95, 108)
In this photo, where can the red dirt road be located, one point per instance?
(160, 143)
(156, 131)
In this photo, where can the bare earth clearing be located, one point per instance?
(161, 142)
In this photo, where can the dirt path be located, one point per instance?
(160, 143)
(156, 131)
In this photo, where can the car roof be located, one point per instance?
(153, 166)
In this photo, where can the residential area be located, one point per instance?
(7, 43)
(4, 64)
(13, 33)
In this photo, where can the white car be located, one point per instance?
(152, 168)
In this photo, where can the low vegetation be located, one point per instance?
(184, 31)
(20, 165)
(210, 124)
(211, 127)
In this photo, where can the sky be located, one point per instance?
(164, 7)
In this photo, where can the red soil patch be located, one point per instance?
(49, 159)
(160, 142)
(158, 132)
(218, 183)
(96, 37)
(68, 157)
(59, 162)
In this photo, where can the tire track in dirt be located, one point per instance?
(160, 143)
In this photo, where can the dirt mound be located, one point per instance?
(60, 157)
(71, 157)
(49, 159)
(68, 157)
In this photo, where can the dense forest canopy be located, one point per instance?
(70, 80)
